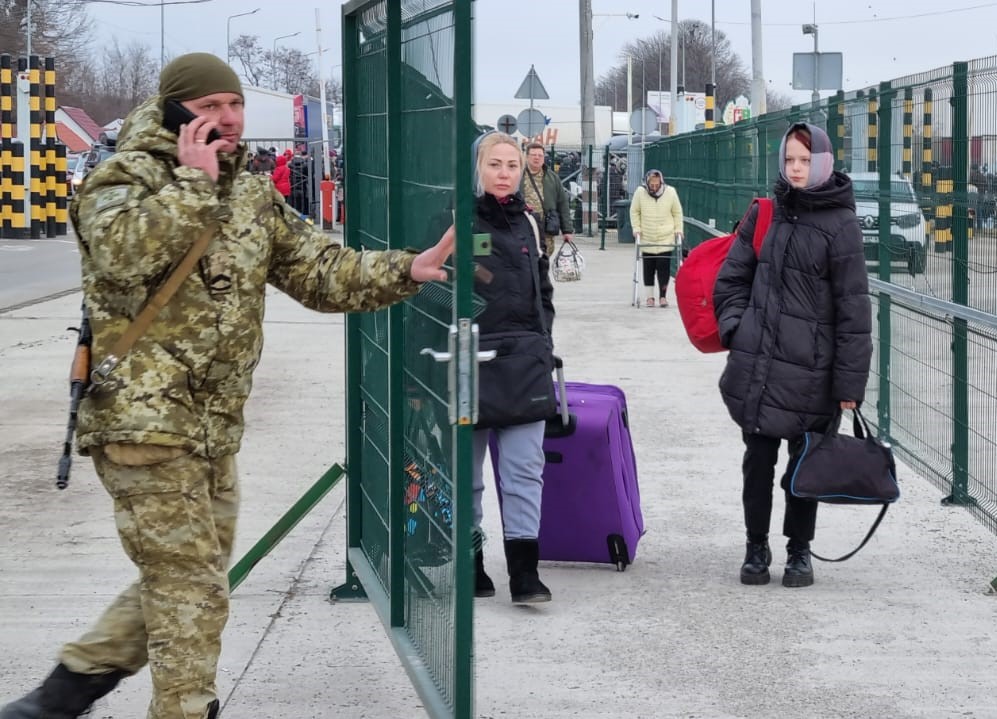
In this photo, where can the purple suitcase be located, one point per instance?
(590, 510)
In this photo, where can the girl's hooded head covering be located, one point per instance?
(647, 186)
(821, 153)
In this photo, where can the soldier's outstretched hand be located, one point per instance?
(428, 264)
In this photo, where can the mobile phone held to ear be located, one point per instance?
(175, 115)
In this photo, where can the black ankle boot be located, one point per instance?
(525, 586)
(799, 570)
(63, 695)
(757, 559)
(483, 584)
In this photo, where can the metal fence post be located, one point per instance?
(960, 286)
(591, 171)
(606, 182)
(884, 118)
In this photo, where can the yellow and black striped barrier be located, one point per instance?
(838, 135)
(943, 216)
(873, 120)
(907, 160)
(11, 160)
(711, 103)
(51, 170)
(33, 204)
(927, 163)
(38, 166)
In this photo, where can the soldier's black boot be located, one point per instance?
(799, 569)
(483, 584)
(522, 556)
(757, 559)
(63, 695)
(213, 710)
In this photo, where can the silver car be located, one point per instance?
(908, 230)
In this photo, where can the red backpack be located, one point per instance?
(697, 275)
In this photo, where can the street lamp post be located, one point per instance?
(811, 29)
(273, 56)
(228, 33)
(588, 49)
(678, 42)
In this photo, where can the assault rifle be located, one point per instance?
(79, 380)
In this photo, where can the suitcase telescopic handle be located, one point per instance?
(562, 390)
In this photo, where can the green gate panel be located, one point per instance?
(407, 102)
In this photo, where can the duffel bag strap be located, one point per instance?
(868, 536)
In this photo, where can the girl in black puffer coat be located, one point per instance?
(797, 320)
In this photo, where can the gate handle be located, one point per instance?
(437, 356)
(485, 356)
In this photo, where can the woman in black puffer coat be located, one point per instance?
(797, 320)
(514, 280)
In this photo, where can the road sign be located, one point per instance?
(507, 124)
(822, 67)
(532, 88)
(644, 120)
(531, 122)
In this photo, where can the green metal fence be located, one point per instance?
(922, 154)
(407, 108)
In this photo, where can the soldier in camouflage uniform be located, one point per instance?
(164, 429)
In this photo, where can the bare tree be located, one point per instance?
(256, 65)
(652, 66)
(57, 26)
(294, 72)
(128, 76)
(287, 70)
(777, 101)
(58, 29)
(334, 91)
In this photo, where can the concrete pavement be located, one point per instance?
(903, 630)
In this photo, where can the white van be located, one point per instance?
(908, 230)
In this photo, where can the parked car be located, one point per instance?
(99, 152)
(908, 230)
(71, 159)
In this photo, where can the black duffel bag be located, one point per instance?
(839, 469)
(517, 386)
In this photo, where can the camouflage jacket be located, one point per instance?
(185, 381)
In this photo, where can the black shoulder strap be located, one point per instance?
(868, 536)
(536, 189)
(534, 264)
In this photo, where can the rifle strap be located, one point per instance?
(157, 302)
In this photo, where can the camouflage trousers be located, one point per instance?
(176, 520)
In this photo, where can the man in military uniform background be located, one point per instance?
(544, 193)
(164, 428)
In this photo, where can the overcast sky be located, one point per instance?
(879, 39)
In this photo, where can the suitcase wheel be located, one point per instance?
(618, 553)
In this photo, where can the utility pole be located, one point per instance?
(324, 113)
(674, 71)
(713, 35)
(759, 104)
(27, 30)
(587, 76)
(811, 29)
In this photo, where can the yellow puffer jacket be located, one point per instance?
(657, 219)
